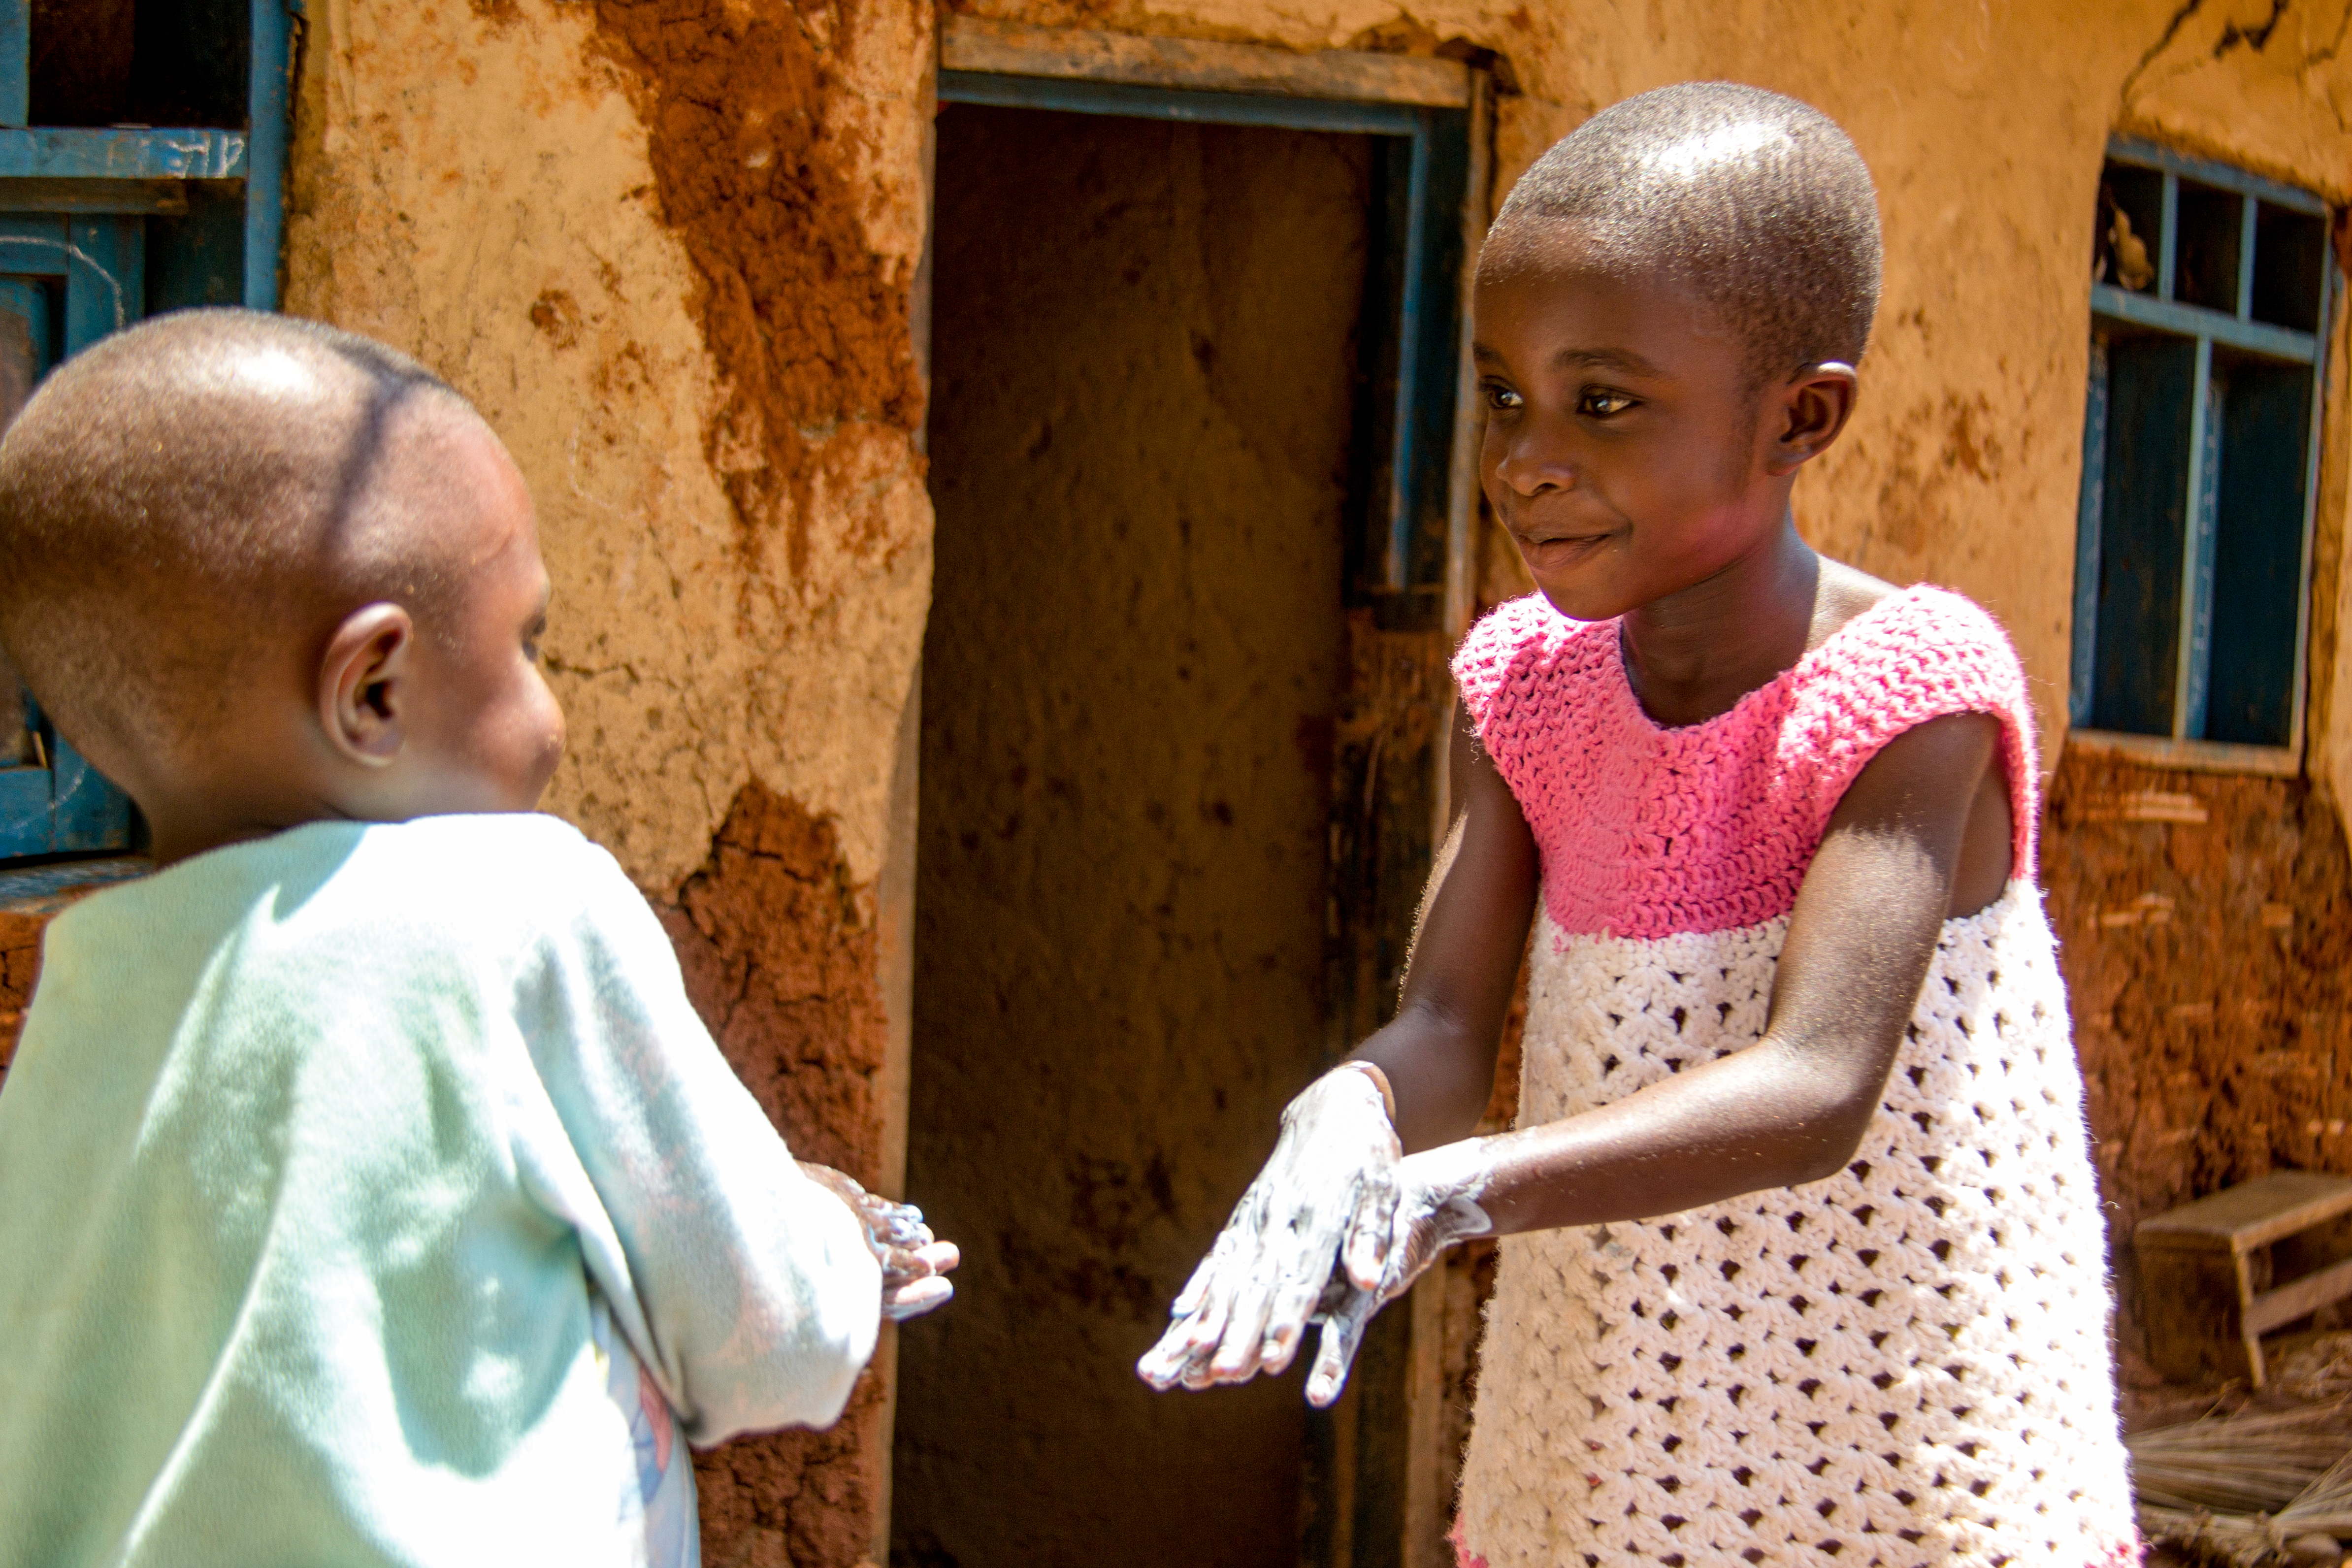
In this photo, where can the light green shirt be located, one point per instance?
(326, 1162)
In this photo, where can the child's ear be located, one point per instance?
(1810, 408)
(363, 683)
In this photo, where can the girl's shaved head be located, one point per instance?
(198, 500)
(1754, 202)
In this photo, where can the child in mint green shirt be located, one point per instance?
(370, 1193)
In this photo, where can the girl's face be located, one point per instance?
(1625, 450)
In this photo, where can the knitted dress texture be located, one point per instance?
(1903, 1365)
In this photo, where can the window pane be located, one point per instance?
(2143, 521)
(2130, 228)
(2206, 271)
(81, 52)
(2258, 553)
(144, 62)
(2290, 248)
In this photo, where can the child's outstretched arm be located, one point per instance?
(751, 1288)
(915, 1263)
(1922, 834)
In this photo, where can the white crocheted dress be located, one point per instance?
(1904, 1364)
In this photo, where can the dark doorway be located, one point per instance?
(1144, 352)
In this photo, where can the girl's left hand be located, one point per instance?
(1437, 1194)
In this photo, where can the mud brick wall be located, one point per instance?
(2205, 924)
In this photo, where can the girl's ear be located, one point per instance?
(1810, 408)
(363, 683)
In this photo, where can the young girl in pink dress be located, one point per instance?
(1805, 1261)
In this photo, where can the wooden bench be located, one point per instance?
(2209, 1270)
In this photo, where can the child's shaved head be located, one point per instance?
(1757, 203)
(190, 500)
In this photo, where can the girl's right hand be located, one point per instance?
(1331, 1180)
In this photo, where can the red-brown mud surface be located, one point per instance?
(2207, 962)
(779, 956)
(809, 327)
(20, 958)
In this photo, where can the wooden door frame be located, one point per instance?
(1378, 1498)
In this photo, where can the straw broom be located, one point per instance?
(2257, 1461)
(2210, 1487)
(2307, 1529)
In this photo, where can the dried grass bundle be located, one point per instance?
(2257, 1461)
(2240, 1540)
(2259, 1487)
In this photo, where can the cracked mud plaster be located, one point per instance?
(778, 947)
(491, 187)
(2260, 83)
(754, 167)
(2205, 925)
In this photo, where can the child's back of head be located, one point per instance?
(193, 515)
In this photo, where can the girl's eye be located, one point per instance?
(1603, 405)
(1503, 397)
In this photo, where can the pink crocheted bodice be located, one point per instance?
(1646, 831)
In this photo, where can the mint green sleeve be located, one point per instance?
(746, 1289)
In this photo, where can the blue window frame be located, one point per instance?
(1406, 493)
(2210, 296)
(100, 226)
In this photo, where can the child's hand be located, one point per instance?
(1331, 1178)
(914, 1262)
(1437, 1205)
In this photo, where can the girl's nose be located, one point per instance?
(1531, 466)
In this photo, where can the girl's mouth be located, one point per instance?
(1560, 551)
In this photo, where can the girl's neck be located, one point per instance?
(1694, 654)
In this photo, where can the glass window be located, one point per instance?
(2210, 292)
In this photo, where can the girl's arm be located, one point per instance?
(1438, 1052)
(1921, 834)
(1333, 1171)
(1793, 1106)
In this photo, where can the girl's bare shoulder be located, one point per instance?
(1843, 594)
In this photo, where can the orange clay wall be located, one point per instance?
(667, 247)
(671, 247)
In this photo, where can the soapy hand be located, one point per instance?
(1436, 1205)
(1325, 1197)
(913, 1260)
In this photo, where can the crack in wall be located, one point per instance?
(2171, 30)
(2232, 35)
